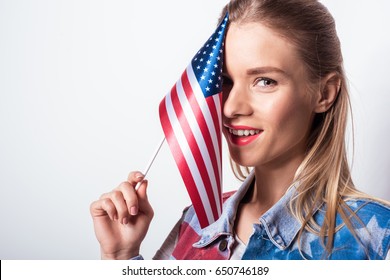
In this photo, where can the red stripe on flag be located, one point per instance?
(194, 147)
(181, 162)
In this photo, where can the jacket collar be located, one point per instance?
(278, 222)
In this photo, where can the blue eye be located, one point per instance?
(265, 82)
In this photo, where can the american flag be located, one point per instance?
(190, 115)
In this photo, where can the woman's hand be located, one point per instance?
(121, 218)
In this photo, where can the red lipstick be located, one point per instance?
(242, 135)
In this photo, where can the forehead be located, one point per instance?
(251, 45)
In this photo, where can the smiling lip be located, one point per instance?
(242, 135)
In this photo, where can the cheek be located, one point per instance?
(292, 115)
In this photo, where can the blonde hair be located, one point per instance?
(324, 175)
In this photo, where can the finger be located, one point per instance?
(142, 190)
(130, 196)
(103, 207)
(135, 177)
(120, 206)
(143, 200)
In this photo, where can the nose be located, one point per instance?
(236, 103)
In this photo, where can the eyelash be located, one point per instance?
(269, 83)
(228, 81)
(266, 80)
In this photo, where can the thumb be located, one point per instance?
(143, 201)
(142, 195)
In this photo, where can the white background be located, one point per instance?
(80, 85)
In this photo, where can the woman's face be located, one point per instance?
(267, 108)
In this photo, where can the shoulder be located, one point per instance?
(369, 209)
(372, 225)
(362, 229)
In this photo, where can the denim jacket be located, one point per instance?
(276, 234)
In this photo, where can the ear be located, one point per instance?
(329, 90)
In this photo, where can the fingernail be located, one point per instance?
(125, 220)
(139, 175)
(133, 210)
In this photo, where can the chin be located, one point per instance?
(242, 160)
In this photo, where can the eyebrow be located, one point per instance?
(265, 70)
(261, 71)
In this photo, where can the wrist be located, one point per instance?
(120, 255)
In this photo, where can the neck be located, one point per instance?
(272, 181)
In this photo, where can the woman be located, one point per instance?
(285, 110)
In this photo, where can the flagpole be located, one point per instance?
(152, 160)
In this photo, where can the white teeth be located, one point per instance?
(243, 132)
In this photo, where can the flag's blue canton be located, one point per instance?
(207, 63)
